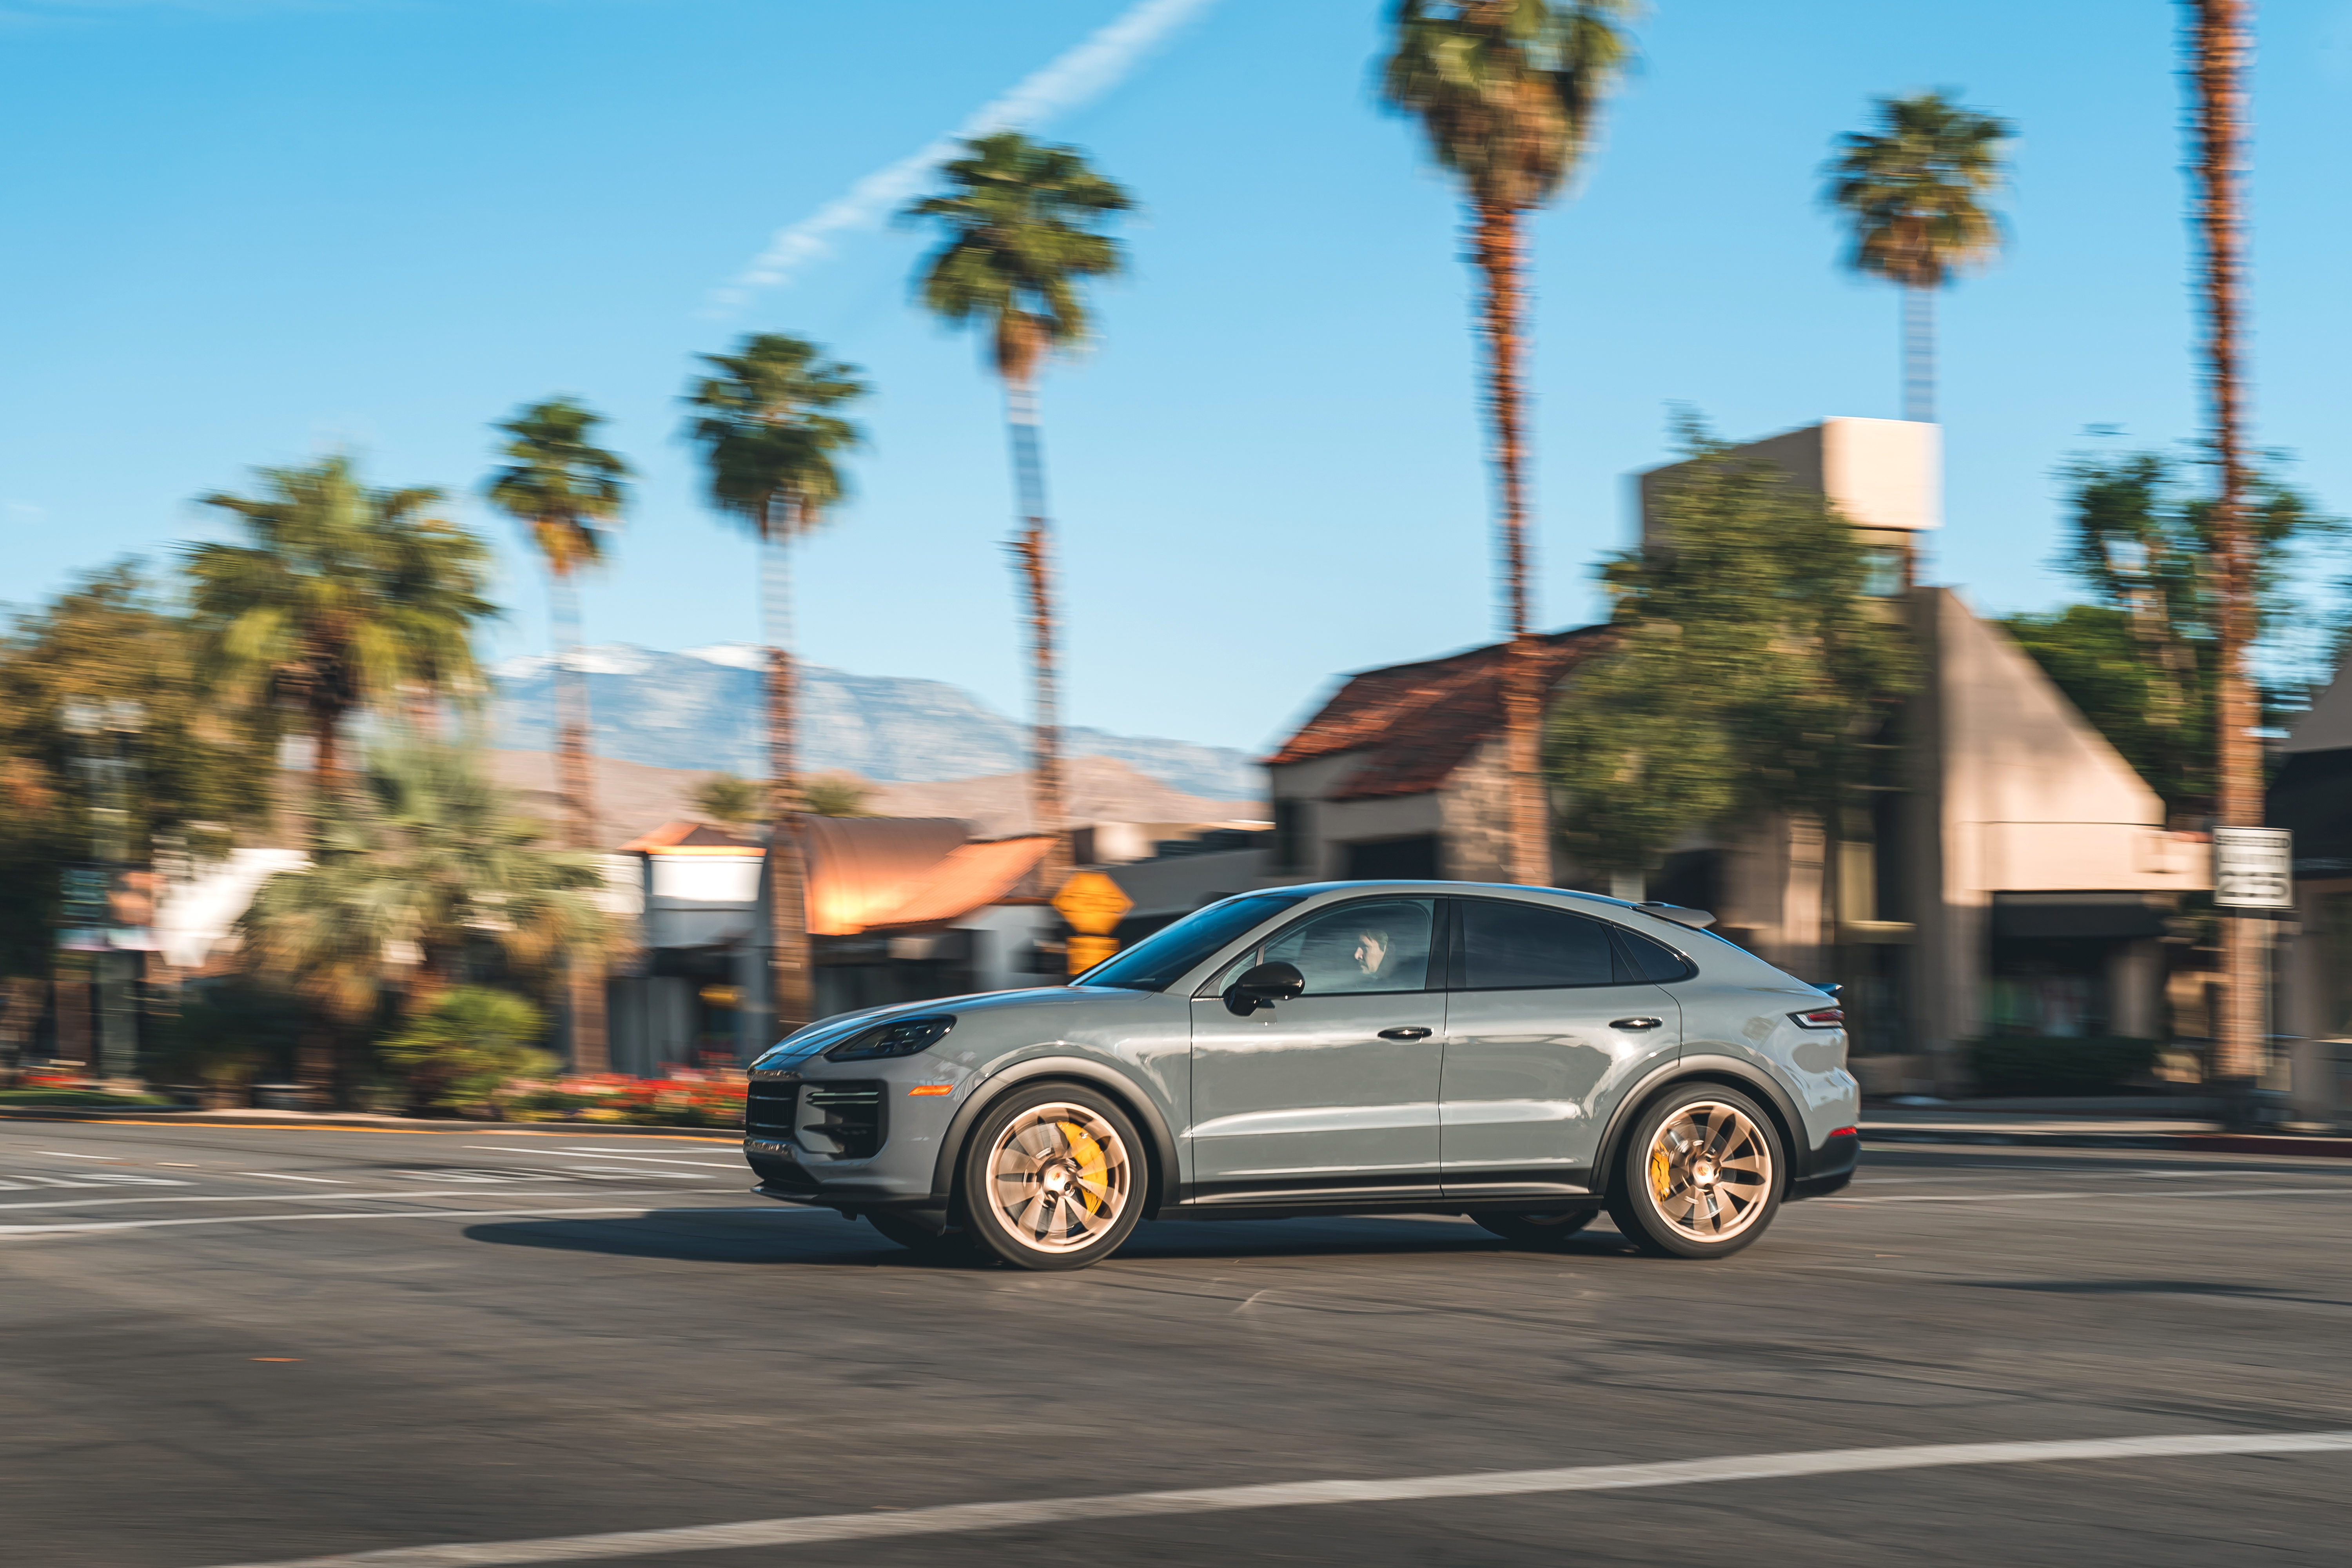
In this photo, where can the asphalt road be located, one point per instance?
(295, 1343)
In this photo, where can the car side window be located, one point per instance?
(1360, 949)
(1644, 958)
(1508, 946)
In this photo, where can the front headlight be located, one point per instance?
(900, 1037)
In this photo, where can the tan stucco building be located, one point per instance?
(2016, 877)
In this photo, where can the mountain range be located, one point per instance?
(702, 708)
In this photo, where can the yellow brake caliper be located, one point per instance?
(1661, 1169)
(1092, 1164)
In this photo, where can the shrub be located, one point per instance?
(2022, 1065)
(469, 1047)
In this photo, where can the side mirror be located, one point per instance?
(1262, 987)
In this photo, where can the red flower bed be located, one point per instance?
(684, 1099)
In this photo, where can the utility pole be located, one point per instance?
(2221, 39)
(105, 729)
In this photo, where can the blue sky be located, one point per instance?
(243, 232)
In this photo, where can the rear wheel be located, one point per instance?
(1054, 1178)
(1536, 1229)
(1701, 1175)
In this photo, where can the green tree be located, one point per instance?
(567, 492)
(108, 752)
(1510, 93)
(1024, 230)
(769, 421)
(468, 1047)
(418, 876)
(346, 598)
(1913, 192)
(740, 803)
(1747, 672)
(2142, 658)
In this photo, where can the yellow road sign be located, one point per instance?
(1085, 952)
(1092, 903)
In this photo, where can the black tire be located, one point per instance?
(1701, 1173)
(953, 1243)
(1537, 1229)
(1053, 1177)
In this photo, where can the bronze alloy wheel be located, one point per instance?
(1702, 1175)
(1053, 1179)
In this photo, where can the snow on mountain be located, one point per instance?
(701, 708)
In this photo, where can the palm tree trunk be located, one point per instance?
(1495, 244)
(2219, 42)
(1032, 547)
(1919, 354)
(576, 783)
(792, 978)
(326, 755)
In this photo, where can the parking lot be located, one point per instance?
(257, 1345)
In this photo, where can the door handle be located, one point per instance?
(1416, 1033)
(1635, 1025)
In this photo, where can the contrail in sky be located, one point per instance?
(1084, 72)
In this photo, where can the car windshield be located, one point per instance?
(1167, 955)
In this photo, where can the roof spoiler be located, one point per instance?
(1700, 918)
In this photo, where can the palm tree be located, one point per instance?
(421, 862)
(568, 492)
(766, 420)
(1024, 228)
(346, 598)
(1914, 193)
(2219, 42)
(1508, 92)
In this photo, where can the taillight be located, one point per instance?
(1847, 1133)
(1821, 1018)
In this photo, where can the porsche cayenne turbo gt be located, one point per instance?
(1529, 1058)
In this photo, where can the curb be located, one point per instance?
(167, 1116)
(2193, 1142)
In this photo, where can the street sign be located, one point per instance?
(1085, 952)
(1092, 903)
(2253, 868)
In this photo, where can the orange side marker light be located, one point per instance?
(932, 1088)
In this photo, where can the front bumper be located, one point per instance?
(866, 1135)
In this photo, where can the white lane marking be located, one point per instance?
(330, 1181)
(402, 1194)
(61, 1154)
(957, 1517)
(2019, 1197)
(648, 1159)
(92, 1227)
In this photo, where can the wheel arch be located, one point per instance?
(1709, 1068)
(1160, 1145)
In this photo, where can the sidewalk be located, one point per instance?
(154, 1115)
(2091, 1124)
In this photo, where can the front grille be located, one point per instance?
(843, 1120)
(768, 1110)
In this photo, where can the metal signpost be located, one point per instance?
(2253, 877)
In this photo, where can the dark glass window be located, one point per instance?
(1393, 860)
(1511, 946)
(1639, 958)
(1164, 957)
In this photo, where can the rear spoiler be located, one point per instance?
(1700, 918)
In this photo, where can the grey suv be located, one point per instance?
(1527, 1056)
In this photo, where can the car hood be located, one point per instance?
(808, 1040)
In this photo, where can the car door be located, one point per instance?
(1333, 1091)
(1548, 1020)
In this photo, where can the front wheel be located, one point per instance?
(1701, 1175)
(1054, 1178)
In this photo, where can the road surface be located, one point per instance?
(223, 1345)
